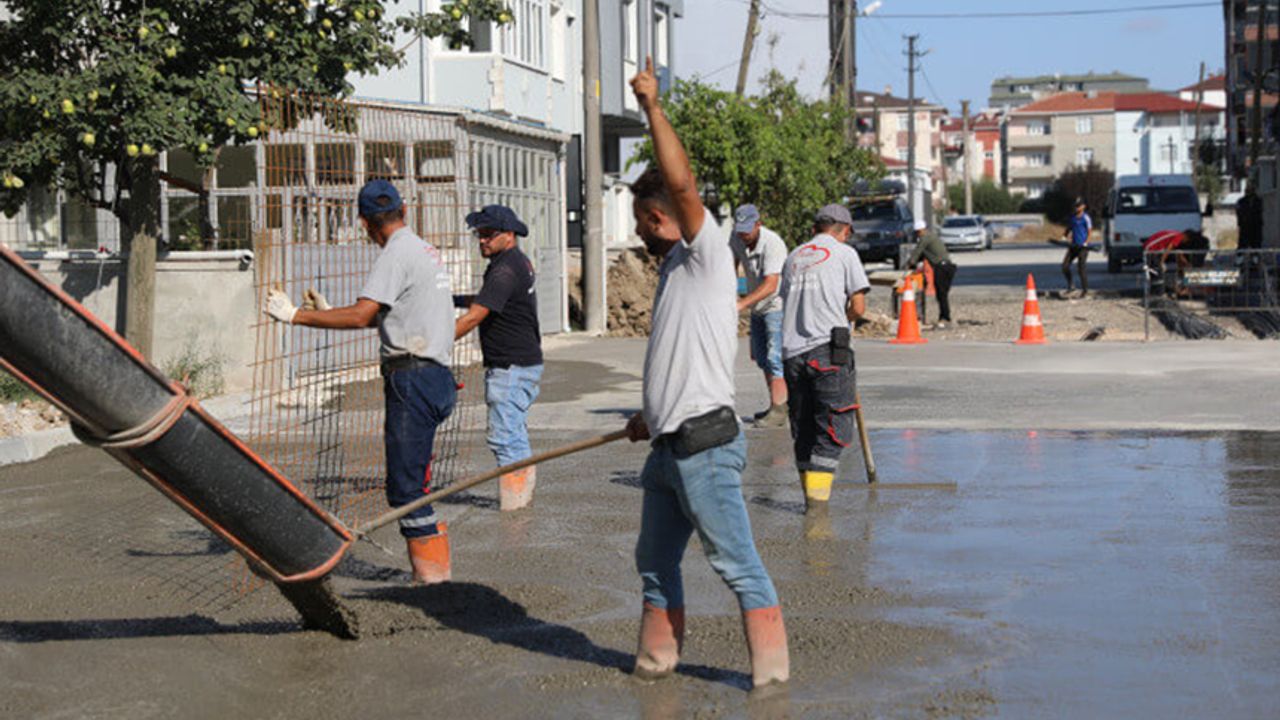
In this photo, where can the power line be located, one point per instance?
(1016, 14)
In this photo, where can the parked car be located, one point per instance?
(881, 224)
(1142, 205)
(965, 231)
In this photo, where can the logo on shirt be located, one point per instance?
(809, 257)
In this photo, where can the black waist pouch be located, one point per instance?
(841, 347)
(716, 428)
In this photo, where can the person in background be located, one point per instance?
(1249, 219)
(761, 252)
(1077, 235)
(930, 247)
(506, 311)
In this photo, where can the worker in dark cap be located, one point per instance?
(407, 296)
(506, 311)
(824, 288)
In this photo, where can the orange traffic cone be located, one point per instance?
(908, 321)
(1032, 327)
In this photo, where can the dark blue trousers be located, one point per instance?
(418, 401)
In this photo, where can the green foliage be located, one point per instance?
(198, 369)
(786, 154)
(12, 390)
(1209, 184)
(1092, 182)
(988, 199)
(87, 84)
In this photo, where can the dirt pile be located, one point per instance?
(875, 325)
(28, 416)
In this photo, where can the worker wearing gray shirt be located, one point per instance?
(692, 479)
(761, 252)
(930, 247)
(407, 297)
(824, 288)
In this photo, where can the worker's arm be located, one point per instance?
(767, 288)
(857, 308)
(363, 314)
(917, 254)
(673, 162)
(470, 320)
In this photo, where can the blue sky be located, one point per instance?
(965, 55)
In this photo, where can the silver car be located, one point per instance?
(965, 231)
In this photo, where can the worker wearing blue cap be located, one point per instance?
(506, 311)
(407, 296)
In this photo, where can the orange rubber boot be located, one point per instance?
(661, 638)
(430, 557)
(515, 489)
(767, 643)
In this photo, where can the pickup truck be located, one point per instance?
(881, 224)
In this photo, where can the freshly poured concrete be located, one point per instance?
(1043, 573)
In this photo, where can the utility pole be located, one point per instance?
(841, 20)
(753, 16)
(912, 55)
(1260, 38)
(1199, 105)
(594, 304)
(968, 178)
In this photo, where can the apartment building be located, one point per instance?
(1156, 133)
(986, 154)
(887, 115)
(1213, 91)
(1010, 93)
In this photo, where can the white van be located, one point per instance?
(1140, 206)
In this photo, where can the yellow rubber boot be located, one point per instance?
(817, 486)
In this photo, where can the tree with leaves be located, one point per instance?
(778, 150)
(988, 198)
(92, 91)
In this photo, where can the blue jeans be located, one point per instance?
(509, 393)
(702, 492)
(766, 342)
(417, 402)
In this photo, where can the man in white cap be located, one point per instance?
(761, 252)
(824, 289)
(930, 247)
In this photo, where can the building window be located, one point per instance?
(1036, 190)
(904, 154)
(1084, 156)
(1022, 88)
(1084, 126)
(631, 31)
(661, 52)
(1038, 160)
(1038, 127)
(903, 119)
(524, 40)
(989, 155)
(559, 22)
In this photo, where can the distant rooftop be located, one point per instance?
(867, 99)
(1216, 82)
(1114, 76)
(1079, 102)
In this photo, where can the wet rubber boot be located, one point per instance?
(515, 489)
(817, 486)
(767, 643)
(661, 638)
(429, 557)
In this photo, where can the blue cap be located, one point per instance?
(745, 219)
(375, 189)
(497, 217)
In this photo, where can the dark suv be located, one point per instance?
(881, 224)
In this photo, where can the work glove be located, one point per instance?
(280, 307)
(313, 300)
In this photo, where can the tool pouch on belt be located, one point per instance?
(716, 428)
(841, 347)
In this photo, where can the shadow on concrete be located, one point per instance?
(38, 631)
(484, 612)
(794, 508)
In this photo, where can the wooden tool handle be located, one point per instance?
(865, 441)
(457, 487)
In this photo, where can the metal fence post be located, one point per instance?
(1146, 300)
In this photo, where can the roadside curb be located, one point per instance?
(228, 409)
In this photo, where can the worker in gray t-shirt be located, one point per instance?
(823, 289)
(692, 478)
(760, 253)
(407, 296)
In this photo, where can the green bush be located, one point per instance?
(988, 199)
(12, 390)
(199, 370)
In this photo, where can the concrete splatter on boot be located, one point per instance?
(429, 557)
(817, 486)
(767, 643)
(661, 638)
(515, 489)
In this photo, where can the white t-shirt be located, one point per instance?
(688, 366)
(817, 281)
(412, 284)
(759, 262)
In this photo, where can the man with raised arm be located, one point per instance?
(692, 477)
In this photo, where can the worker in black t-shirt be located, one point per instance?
(506, 311)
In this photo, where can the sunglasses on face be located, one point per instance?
(485, 233)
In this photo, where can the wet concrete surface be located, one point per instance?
(1092, 574)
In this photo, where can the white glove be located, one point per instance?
(313, 300)
(280, 307)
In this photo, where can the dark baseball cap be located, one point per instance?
(375, 189)
(745, 219)
(497, 217)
